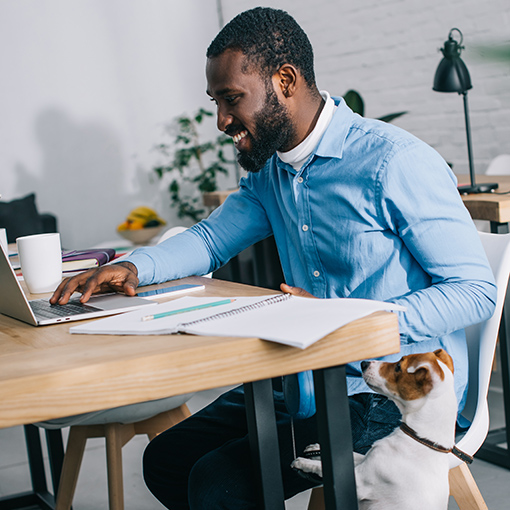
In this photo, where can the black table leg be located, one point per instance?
(264, 446)
(39, 497)
(334, 427)
(56, 456)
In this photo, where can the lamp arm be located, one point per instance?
(468, 135)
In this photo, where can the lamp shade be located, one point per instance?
(452, 74)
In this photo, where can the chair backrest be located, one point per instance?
(481, 339)
(170, 233)
(500, 165)
(173, 232)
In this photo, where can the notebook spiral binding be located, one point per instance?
(266, 302)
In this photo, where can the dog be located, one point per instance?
(409, 467)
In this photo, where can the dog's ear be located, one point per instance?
(443, 356)
(422, 377)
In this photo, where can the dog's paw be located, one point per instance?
(310, 466)
(309, 469)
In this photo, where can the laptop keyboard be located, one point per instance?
(45, 310)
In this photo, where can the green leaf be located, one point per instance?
(354, 102)
(182, 138)
(195, 164)
(199, 116)
(391, 116)
(224, 140)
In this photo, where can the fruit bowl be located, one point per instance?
(140, 235)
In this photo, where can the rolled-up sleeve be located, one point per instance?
(238, 223)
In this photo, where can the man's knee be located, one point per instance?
(151, 463)
(217, 482)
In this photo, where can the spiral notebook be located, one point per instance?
(281, 318)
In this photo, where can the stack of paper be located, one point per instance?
(292, 320)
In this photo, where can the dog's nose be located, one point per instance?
(364, 365)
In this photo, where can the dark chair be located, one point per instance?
(20, 217)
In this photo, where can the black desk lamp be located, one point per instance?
(452, 76)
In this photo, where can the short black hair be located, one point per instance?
(269, 38)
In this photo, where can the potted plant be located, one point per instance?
(193, 166)
(357, 105)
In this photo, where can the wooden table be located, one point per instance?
(46, 373)
(493, 207)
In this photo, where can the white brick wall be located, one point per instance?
(388, 50)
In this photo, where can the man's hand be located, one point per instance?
(121, 277)
(295, 291)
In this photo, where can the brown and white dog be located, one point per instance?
(401, 471)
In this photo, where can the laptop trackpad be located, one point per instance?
(116, 301)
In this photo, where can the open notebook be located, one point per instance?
(282, 318)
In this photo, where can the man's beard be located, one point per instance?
(273, 131)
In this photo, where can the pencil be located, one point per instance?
(188, 309)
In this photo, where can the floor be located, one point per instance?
(91, 492)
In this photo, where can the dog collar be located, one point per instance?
(434, 446)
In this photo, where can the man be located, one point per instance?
(358, 209)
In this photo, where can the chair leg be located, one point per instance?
(464, 489)
(161, 422)
(71, 467)
(317, 499)
(116, 435)
(114, 443)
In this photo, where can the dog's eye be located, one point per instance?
(398, 368)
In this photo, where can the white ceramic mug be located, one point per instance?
(3, 240)
(40, 258)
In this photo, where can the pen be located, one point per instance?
(189, 309)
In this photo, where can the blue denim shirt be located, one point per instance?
(374, 213)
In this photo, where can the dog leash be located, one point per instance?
(406, 429)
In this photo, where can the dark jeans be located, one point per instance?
(204, 461)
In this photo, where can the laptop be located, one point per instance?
(39, 312)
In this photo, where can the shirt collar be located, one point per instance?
(333, 141)
(302, 152)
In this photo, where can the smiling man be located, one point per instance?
(358, 208)
(264, 113)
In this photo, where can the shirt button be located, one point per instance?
(316, 274)
(300, 180)
(305, 228)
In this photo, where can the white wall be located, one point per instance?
(388, 51)
(87, 87)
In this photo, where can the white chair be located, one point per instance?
(172, 232)
(500, 165)
(117, 426)
(481, 340)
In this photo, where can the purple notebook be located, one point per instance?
(101, 256)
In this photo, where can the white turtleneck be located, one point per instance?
(298, 156)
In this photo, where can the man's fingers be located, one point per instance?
(295, 291)
(117, 277)
(91, 285)
(57, 293)
(130, 285)
(65, 290)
